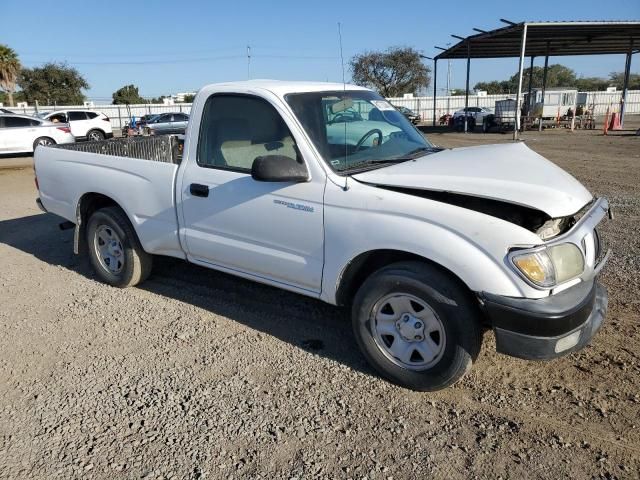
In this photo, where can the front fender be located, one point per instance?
(470, 244)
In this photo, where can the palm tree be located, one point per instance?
(9, 70)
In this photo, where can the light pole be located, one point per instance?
(435, 82)
(448, 73)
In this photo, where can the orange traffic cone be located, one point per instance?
(615, 122)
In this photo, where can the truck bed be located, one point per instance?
(163, 148)
(138, 174)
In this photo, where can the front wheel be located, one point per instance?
(114, 249)
(417, 326)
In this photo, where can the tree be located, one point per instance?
(127, 94)
(617, 80)
(189, 98)
(53, 83)
(557, 76)
(591, 84)
(494, 87)
(396, 71)
(9, 71)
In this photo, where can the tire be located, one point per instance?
(122, 263)
(450, 321)
(44, 141)
(95, 135)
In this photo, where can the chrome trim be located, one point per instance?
(583, 227)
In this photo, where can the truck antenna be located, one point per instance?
(344, 91)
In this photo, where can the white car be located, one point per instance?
(427, 247)
(22, 133)
(85, 124)
(477, 113)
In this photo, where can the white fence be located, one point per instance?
(599, 101)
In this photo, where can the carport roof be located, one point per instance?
(562, 38)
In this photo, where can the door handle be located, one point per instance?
(198, 190)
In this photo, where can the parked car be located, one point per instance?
(475, 114)
(478, 113)
(128, 130)
(23, 133)
(85, 124)
(413, 117)
(167, 123)
(428, 247)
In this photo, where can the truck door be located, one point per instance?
(269, 230)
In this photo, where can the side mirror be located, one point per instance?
(278, 168)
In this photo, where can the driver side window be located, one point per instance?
(237, 129)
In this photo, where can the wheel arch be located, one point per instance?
(363, 265)
(87, 204)
(96, 129)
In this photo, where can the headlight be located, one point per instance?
(536, 267)
(567, 260)
(550, 266)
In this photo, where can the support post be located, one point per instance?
(435, 81)
(627, 70)
(466, 94)
(516, 123)
(544, 85)
(530, 86)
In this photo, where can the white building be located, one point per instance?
(179, 97)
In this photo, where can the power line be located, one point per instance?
(195, 60)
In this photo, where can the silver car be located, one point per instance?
(167, 123)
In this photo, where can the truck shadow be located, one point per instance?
(304, 322)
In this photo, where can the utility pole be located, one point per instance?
(248, 62)
(448, 73)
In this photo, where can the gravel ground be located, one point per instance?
(198, 374)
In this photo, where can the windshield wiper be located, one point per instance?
(414, 153)
(367, 163)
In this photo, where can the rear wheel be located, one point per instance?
(95, 135)
(416, 326)
(114, 249)
(44, 141)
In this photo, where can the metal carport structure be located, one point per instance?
(544, 39)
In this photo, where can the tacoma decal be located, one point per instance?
(295, 206)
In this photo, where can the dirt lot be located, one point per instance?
(199, 374)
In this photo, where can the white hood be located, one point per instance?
(510, 172)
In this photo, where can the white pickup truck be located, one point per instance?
(326, 190)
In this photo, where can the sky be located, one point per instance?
(166, 47)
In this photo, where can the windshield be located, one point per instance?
(355, 130)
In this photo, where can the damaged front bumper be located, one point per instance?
(549, 327)
(567, 319)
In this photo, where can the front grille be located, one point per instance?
(601, 244)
